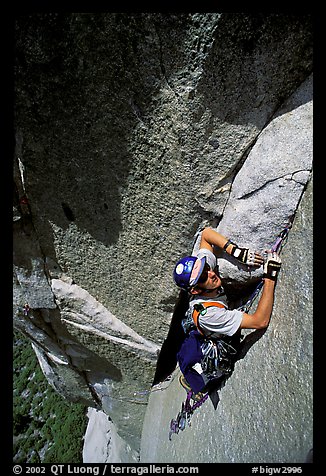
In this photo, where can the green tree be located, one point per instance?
(34, 425)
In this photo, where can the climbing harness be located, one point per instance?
(217, 354)
(215, 362)
(217, 358)
(276, 247)
(185, 415)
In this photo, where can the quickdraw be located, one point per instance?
(277, 246)
(184, 416)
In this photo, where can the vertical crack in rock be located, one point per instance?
(163, 70)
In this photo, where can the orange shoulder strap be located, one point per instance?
(196, 313)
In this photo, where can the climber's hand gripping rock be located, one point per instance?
(272, 266)
(247, 256)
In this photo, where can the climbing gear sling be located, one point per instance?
(276, 247)
(184, 416)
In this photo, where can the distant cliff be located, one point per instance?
(133, 131)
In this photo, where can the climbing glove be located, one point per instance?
(272, 266)
(246, 256)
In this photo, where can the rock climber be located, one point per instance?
(208, 305)
(198, 275)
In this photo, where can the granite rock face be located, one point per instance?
(102, 442)
(267, 189)
(265, 413)
(133, 131)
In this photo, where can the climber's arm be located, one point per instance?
(212, 238)
(261, 317)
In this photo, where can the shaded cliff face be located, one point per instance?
(130, 130)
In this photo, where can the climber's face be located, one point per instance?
(208, 280)
(212, 281)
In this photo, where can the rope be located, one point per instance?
(276, 247)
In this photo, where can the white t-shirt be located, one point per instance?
(217, 320)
